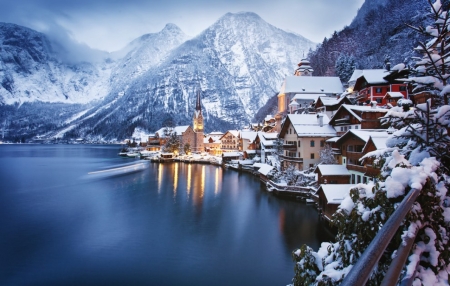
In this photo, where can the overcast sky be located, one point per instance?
(111, 24)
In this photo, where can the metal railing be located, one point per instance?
(361, 271)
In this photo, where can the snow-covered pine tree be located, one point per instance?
(417, 157)
(345, 65)
(432, 70)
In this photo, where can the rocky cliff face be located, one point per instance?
(238, 63)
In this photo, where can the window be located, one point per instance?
(312, 143)
(402, 88)
(378, 100)
(378, 90)
(356, 127)
(299, 155)
(311, 165)
(299, 144)
(359, 179)
(353, 178)
(322, 143)
(344, 160)
(312, 155)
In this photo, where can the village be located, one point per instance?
(312, 148)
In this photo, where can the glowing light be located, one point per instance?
(216, 191)
(160, 175)
(203, 181)
(189, 180)
(175, 180)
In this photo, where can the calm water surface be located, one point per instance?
(169, 224)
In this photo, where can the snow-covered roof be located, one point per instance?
(308, 96)
(249, 135)
(246, 162)
(312, 84)
(374, 76)
(231, 154)
(394, 94)
(180, 129)
(258, 165)
(336, 170)
(336, 193)
(265, 169)
(334, 139)
(268, 136)
(235, 133)
(365, 134)
(308, 125)
(307, 119)
(355, 75)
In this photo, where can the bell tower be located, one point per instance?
(198, 125)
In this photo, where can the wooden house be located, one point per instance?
(330, 197)
(332, 174)
(350, 117)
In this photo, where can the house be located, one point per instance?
(330, 197)
(301, 90)
(329, 105)
(247, 142)
(372, 85)
(213, 144)
(264, 143)
(230, 141)
(230, 156)
(332, 174)
(304, 136)
(354, 145)
(264, 171)
(349, 117)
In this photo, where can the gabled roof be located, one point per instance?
(265, 169)
(359, 108)
(312, 84)
(336, 193)
(249, 135)
(332, 170)
(235, 133)
(178, 129)
(307, 125)
(393, 94)
(365, 134)
(374, 76)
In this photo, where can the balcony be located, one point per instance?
(290, 147)
(372, 171)
(291, 159)
(356, 168)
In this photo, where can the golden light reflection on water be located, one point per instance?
(160, 176)
(202, 183)
(175, 181)
(188, 187)
(216, 182)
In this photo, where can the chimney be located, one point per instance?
(320, 119)
(388, 66)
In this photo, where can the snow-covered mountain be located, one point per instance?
(31, 70)
(239, 63)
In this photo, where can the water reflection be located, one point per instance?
(170, 224)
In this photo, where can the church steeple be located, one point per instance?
(198, 117)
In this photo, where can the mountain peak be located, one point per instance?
(170, 27)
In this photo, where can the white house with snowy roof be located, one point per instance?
(304, 135)
(302, 89)
(265, 144)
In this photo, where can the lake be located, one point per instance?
(167, 224)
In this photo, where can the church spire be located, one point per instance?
(198, 106)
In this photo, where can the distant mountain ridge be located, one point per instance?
(238, 63)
